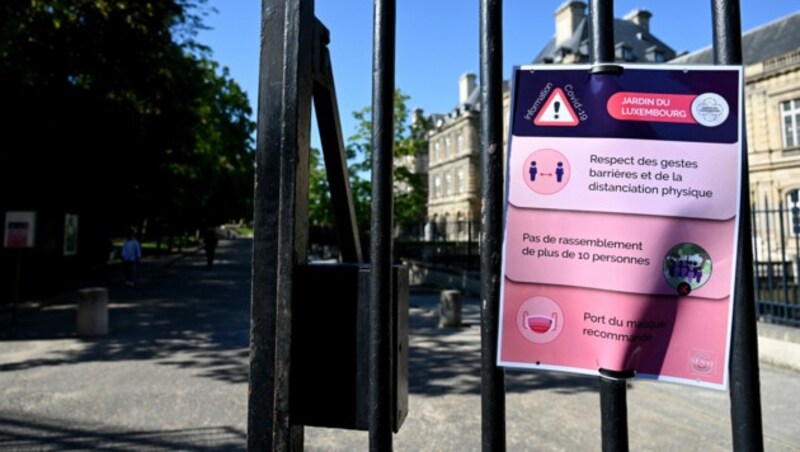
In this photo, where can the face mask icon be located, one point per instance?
(539, 324)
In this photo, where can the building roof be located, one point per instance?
(638, 39)
(473, 103)
(759, 44)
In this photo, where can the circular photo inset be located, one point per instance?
(687, 266)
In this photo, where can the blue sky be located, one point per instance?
(438, 41)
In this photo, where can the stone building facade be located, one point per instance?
(454, 165)
(454, 178)
(771, 56)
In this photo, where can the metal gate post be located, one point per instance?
(326, 107)
(613, 384)
(281, 205)
(380, 337)
(601, 15)
(744, 374)
(493, 391)
(614, 409)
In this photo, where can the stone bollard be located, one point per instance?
(93, 311)
(450, 308)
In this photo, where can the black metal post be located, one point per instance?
(493, 391)
(261, 400)
(770, 280)
(330, 131)
(745, 392)
(601, 16)
(796, 251)
(754, 236)
(380, 337)
(784, 276)
(614, 408)
(613, 383)
(17, 287)
(280, 216)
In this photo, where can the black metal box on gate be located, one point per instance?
(330, 356)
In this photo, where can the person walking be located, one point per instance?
(210, 241)
(131, 254)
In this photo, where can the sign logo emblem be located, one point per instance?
(710, 109)
(557, 111)
(701, 362)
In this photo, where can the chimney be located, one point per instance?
(416, 116)
(568, 17)
(465, 86)
(640, 17)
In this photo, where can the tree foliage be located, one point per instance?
(410, 196)
(410, 135)
(119, 115)
(320, 209)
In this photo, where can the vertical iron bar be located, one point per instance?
(293, 208)
(770, 279)
(756, 277)
(383, 67)
(261, 402)
(613, 406)
(330, 131)
(17, 287)
(744, 386)
(784, 281)
(796, 265)
(493, 390)
(601, 15)
(469, 245)
(281, 211)
(613, 388)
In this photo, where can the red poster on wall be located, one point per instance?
(20, 228)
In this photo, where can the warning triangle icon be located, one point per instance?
(557, 111)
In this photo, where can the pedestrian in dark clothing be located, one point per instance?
(210, 242)
(131, 254)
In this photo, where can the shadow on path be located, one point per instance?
(195, 318)
(21, 434)
(184, 315)
(448, 360)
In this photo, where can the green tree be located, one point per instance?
(121, 116)
(320, 209)
(410, 135)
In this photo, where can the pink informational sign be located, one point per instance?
(20, 229)
(620, 228)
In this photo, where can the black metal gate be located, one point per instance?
(296, 70)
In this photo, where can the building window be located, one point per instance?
(448, 184)
(624, 52)
(790, 113)
(627, 54)
(436, 151)
(437, 186)
(460, 144)
(447, 147)
(654, 53)
(461, 184)
(793, 205)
